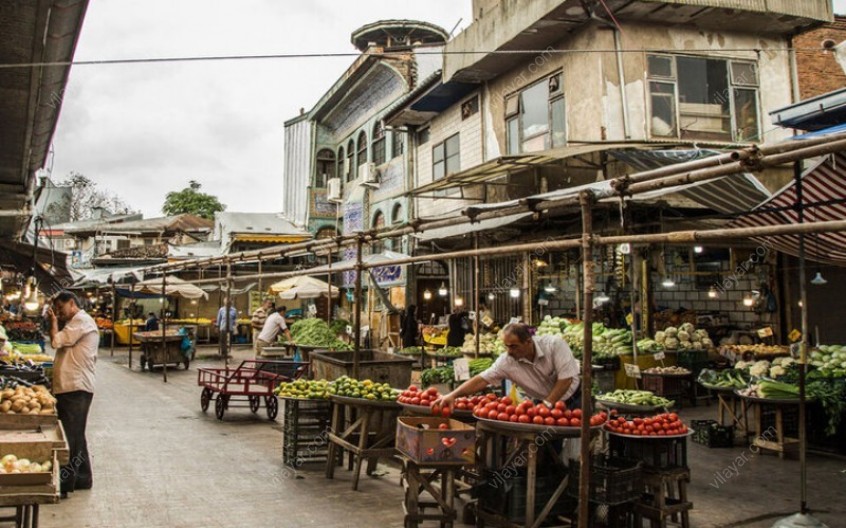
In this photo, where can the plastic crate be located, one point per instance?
(612, 482)
(305, 427)
(711, 434)
(609, 363)
(654, 452)
(693, 360)
(789, 415)
(605, 380)
(504, 493)
(421, 439)
(670, 387)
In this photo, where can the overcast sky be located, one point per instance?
(146, 129)
(143, 130)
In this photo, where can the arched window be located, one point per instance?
(325, 166)
(350, 160)
(326, 232)
(378, 155)
(396, 214)
(378, 223)
(397, 143)
(362, 148)
(340, 169)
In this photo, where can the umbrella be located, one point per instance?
(175, 286)
(302, 287)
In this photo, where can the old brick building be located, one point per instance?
(819, 72)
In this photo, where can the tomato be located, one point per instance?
(661, 433)
(531, 412)
(562, 422)
(436, 409)
(537, 420)
(506, 400)
(621, 420)
(502, 417)
(415, 401)
(638, 421)
(446, 412)
(513, 418)
(501, 407)
(576, 422)
(542, 410)
(461, 405)
(523, 418)
(425, 402)
(559, 405)
(443, 426)
(577, 413)
(556, 413)
(673, 417)
(549, 420)
(511, 409)
(492, 415)
(413, 388)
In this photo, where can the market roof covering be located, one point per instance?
(386, 257)
(824, 199)
(303, 287)
(175, 286)
(463, 229)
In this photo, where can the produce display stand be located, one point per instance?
(499, 444)
(249, 381)
(417, 478)
(627, 408)
(730, 408)
(756, 408)
(672, 386)
(156, 353)
(366, 429)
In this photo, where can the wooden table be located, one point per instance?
(731, 410)
(366, 429)
(27, 500)
(419, 478)
(500, 444)
(782, 444)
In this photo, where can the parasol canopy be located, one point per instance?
(175, 286)
(302, 287)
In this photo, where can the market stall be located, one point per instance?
(158, 351)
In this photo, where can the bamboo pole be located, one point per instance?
(803, 346)
(164, 331)
(359, 266)
(586, 198)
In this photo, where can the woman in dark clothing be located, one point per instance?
(409, 327)
(458, 326)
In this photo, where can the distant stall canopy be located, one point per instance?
(49, 267)
(303, 287)
(174, 287)
(823, 192)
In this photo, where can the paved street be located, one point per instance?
(160, 462)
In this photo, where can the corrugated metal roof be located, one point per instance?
(183, 222)
(258, 223)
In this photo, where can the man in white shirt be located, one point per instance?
(274, 324)
(543, 366)
(73, 383)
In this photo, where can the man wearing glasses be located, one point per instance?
(542, 366)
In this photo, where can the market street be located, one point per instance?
(160, 462)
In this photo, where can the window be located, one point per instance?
(378, 155)
(378, 223)
(362, 148)
(350, 161)
(396, 215)
(535, 118)
(423, 136)
(703, 98)
(469, 107)
(341, 173)
(325, 166)
(397, 143)
(445, 158)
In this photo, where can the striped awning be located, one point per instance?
(824, 199)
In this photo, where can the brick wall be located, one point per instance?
(819, 72)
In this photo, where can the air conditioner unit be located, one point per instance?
(334, 193)
(70, 244)
(368, 174)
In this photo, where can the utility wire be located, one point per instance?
(387, 54)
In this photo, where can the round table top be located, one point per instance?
(362, 402)
(550, 430)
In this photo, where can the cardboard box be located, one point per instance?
(422, 441)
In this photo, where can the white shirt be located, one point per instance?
(274, 324)
(76, 355)
(553, 361)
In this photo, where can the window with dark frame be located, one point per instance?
(362, 149)
(379, 144)
(446, 158)
(397, 143)
(350, 167)
(340, 169)
(423, 136)
(469, 107)
(535, 117)
(324, 168)
(377, 246)
(703, 98)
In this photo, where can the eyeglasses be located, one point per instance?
(510, 347)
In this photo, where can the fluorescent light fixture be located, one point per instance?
(514, 292)
(668, 282)
(550, 288)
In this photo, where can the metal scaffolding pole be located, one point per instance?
(114, 317)
(164, 331)
(586, 199)
(359, 266)
(476, 293)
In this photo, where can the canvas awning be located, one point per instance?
(303, 287)
(463, 229)
(824, 199)
(175, 287)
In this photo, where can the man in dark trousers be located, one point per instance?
(73, 383)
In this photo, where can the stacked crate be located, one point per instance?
(305, 431)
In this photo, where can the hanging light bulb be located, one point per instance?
(712, 293)
(514, 293)
(491, 296)
(427, 295)
(698, 249)
(31, 301)
(819, 280)
(668, 282)
(550, 288)
(748, 300)
(443, 291)
(602, 298)
(459, 302)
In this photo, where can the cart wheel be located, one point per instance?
(205, 398)
(220, 405)
(255, 403)
(272, 405)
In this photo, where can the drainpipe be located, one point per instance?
(794, 71)
(618, 47)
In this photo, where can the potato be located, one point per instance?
(5, 406)
(46, 411)
(18, 405)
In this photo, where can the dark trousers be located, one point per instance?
(72, 408)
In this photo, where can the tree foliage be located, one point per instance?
(86, 197)
(191, 201)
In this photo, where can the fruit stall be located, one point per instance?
(162, 348)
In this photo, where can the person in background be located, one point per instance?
(227, 329)
(5, 346)
(152, 323)
(73, 383)
(542, 366)
(274, 324)
(409, 327)
(458, 327)
(258, 319)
